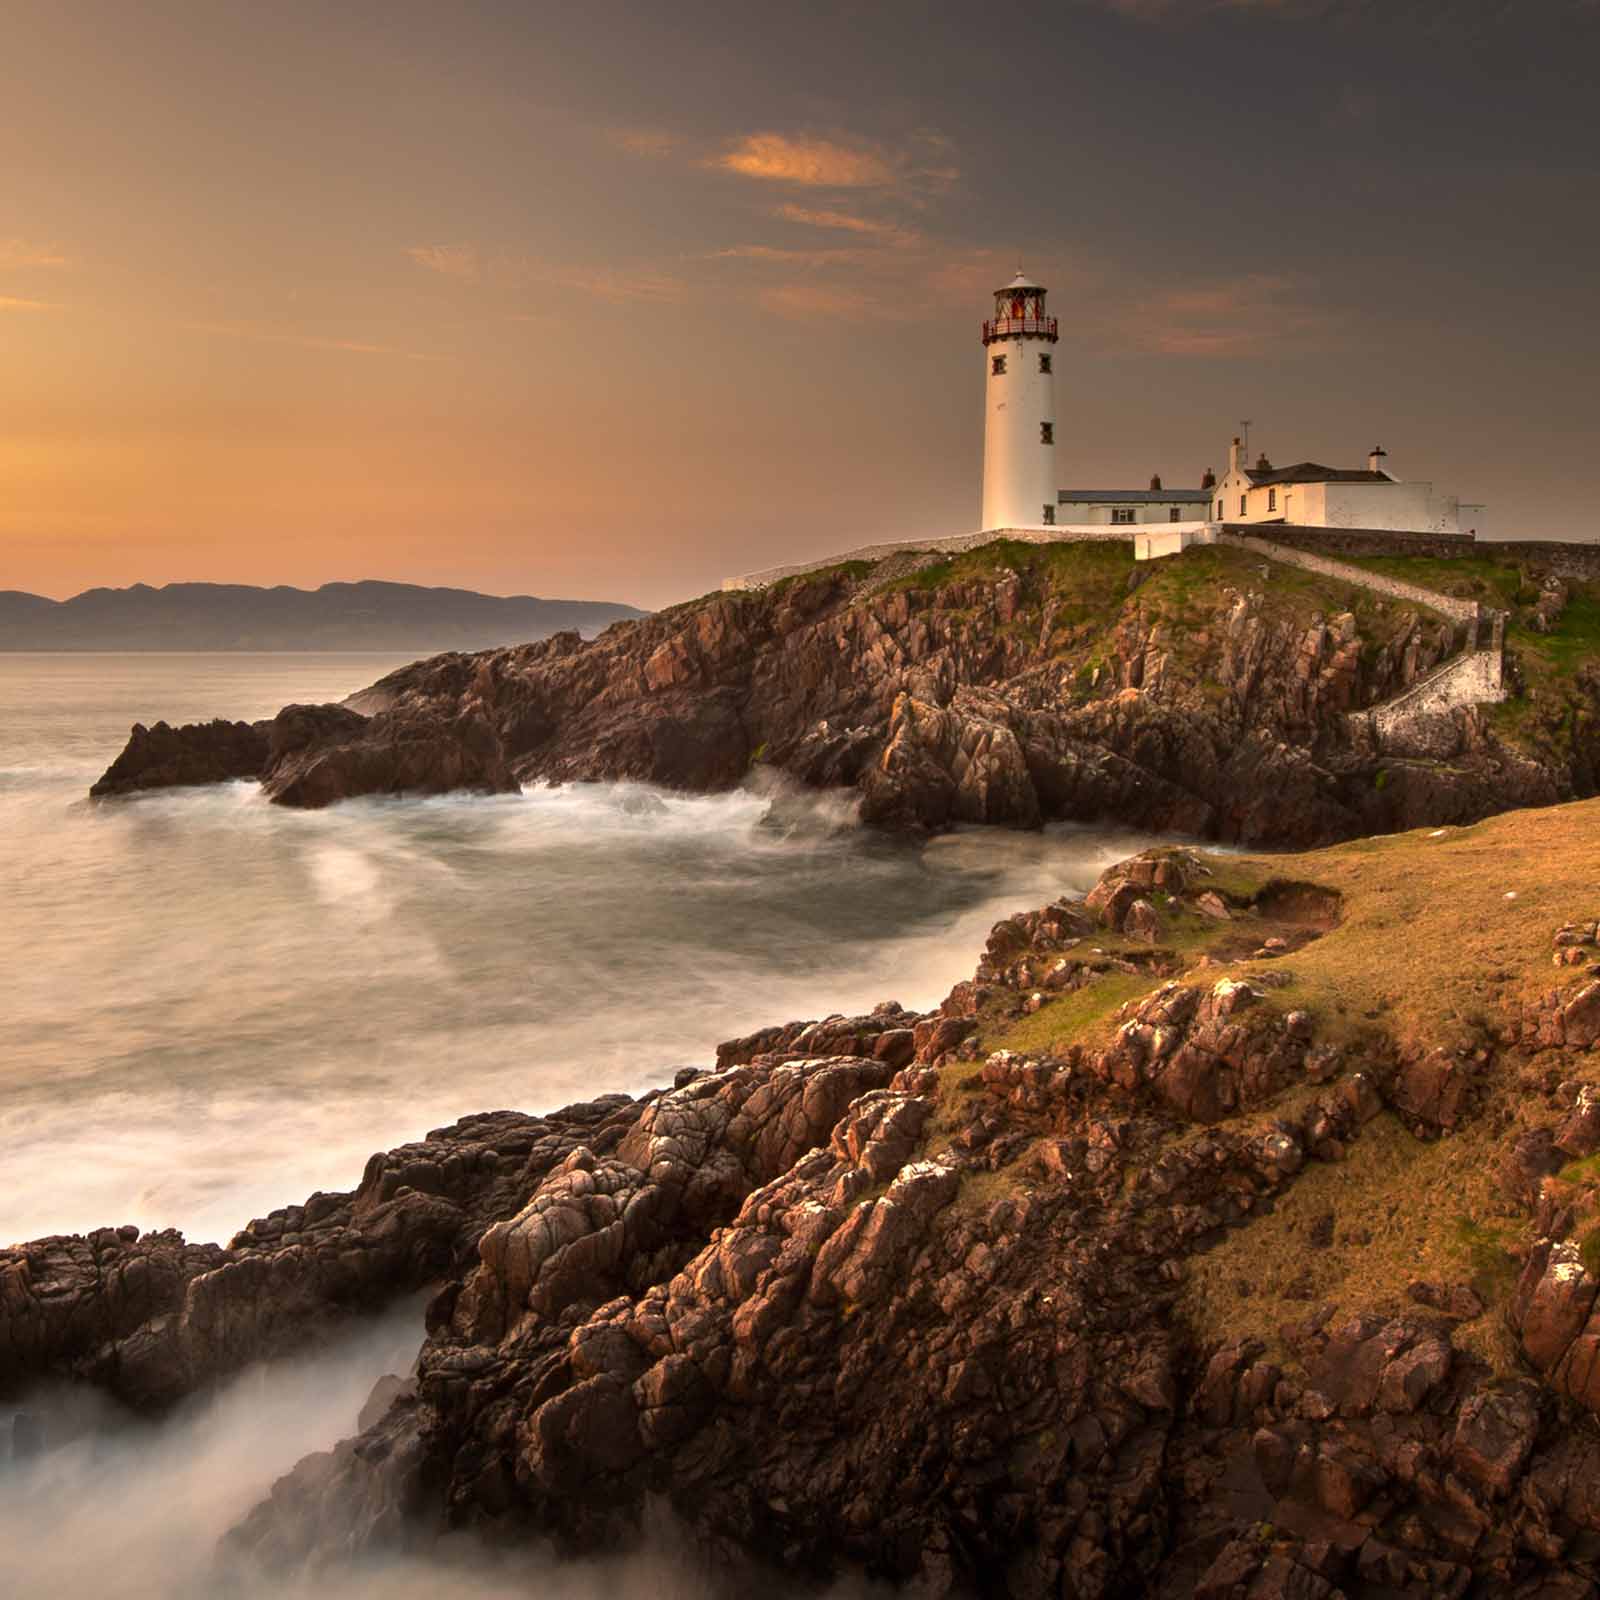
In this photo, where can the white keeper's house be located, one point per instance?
(1312, 495)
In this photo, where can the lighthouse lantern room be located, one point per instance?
(1019, 430)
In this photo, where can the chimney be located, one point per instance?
(1209, 481)
(1262, 464)
(1155, 484)
(1235, 457)
(1375, 462)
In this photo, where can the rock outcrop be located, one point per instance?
(1029, 683)
(163, 757)
(873, 1297)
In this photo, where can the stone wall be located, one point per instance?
(1362, 541)
(1465, 611)
(1465, 680)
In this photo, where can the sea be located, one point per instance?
(211, 1006)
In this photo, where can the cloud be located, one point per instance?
(506, 271)
(1248, 315)
(609, 283)
(305, 341)
(452, 260)
(651, 144)
(11, 302)
(18, 253)
(803, 302)
(848, 222)
(781, 256)
(808, 161)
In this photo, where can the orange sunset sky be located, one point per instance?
(612, 301)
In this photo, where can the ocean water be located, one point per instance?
(213, 1006)
(210, 1006)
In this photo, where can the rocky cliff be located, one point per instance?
(1207, 695)
(1233, 1232)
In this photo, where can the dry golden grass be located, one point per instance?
(1438, 932)
(1402, 1209)
(1429, 951)
(1430, 945)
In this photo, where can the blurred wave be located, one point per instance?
(215, 1006)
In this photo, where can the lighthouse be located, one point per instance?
(1019, 424)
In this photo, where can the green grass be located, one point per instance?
(1585, 1170)
(1482, 578)
(1589, 1252)
(851, 571)
(1086, 569)
(1064, 1019)
(1483, 1248)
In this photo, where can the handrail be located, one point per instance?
(1007, 327)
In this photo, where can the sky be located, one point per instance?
(620, 299)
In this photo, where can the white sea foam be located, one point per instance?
(214, 1006)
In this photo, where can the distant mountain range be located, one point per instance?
(338, 616)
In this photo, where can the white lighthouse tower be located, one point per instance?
(1019, 425)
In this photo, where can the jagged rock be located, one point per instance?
(320, 754)
(937, 709)
(1494, 1436)
(866, 1299)
(162, 757)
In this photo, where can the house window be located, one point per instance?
(997, 365)
(1219, 511)
(1122, 514)
(1049, 516)
(1172, 515)
(1044, 364)
(1241, 505)
(1047, 433)
(1272, 499)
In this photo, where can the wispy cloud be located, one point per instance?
(780, 255)
(872, 228)
(651, 144)
(19, 253)
(452, 260)
(506, 271)
(615, 284)
(12, 302)
(808, 161)
(305, 341)
(1241, 316)
(916, 168)
(807, 301)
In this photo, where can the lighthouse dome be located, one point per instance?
(1023, 282)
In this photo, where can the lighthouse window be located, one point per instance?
(1047, 433)
(1241, 504)
(1049, 516)
(997, 365)
(1272, 499)
(1044, 363)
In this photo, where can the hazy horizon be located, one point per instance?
(613, 304)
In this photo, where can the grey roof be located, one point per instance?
(1139, 497)
(1314, 472)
